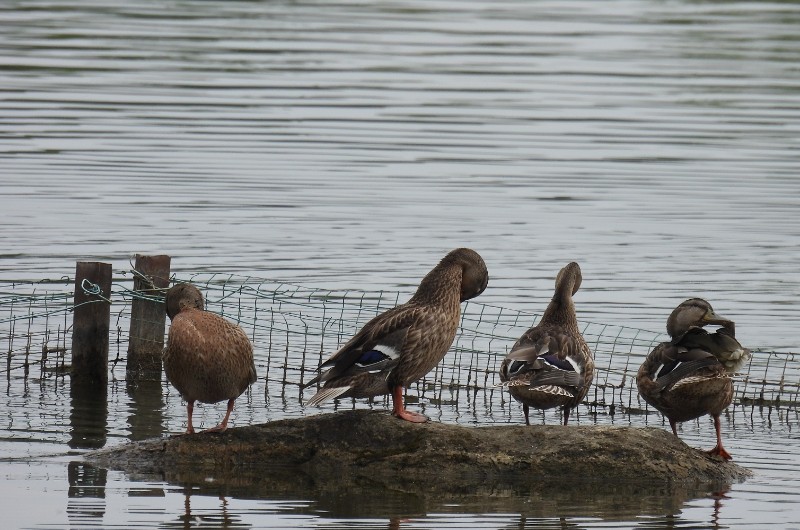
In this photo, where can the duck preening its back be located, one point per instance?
(398, 347)
(551, 365)
(690, 376)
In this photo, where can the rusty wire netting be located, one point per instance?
(294, 328)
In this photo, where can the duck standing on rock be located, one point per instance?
(207, 358)
(551, 365)
(690, 376)
(398, 347)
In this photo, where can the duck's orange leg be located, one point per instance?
(399, 408)
(224, 424)
(718, 449)
(189, 410)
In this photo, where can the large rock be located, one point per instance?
(365, 450)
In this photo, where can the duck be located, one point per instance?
(690, 375)
(207, 358)
(551, 365)
(401, 345)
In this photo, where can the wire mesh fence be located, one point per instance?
(34, 324)
(294, 328)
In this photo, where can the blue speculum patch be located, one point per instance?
(372, 357)
(559, 363)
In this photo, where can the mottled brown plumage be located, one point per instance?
(207, 358)
(403, 344)
(551, 364)
(689, 376)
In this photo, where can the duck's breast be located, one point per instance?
(208, 358)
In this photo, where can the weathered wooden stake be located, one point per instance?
(148, 317)
(91, 321)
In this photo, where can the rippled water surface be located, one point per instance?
(349, 145)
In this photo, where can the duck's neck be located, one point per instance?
(441, 286)
(561, 309)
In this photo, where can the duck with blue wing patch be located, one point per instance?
(690, 376)
(398, 347)
(551, 365)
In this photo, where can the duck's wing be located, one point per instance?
(238, 354)
(375, 348)
(537, 342)
(687, 364)
(672, 363)
(544, 357)
(722, 344)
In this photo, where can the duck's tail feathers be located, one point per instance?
(511, 382)
(553, 390)
(326, 394)
(698, 379)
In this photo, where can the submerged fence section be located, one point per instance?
(294, 328)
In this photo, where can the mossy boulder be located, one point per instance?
(364, 450)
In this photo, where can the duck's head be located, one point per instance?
(474, 274)
(569, 277)
(694, 312)
(182, 296)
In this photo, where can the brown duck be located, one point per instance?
(690, 376)
(207, 358)
(551, 365)
(398, 347)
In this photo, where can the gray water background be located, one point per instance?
(350, 145)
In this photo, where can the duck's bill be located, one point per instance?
(713, 318)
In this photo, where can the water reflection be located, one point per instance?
(223, 519)
(343, 497)
(88, 417)
(146, 418)
(717, 510)
(88, 430)
(87, 492)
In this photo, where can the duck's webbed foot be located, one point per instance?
(399, 409)
(721, 452)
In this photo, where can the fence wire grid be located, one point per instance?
(293, 328)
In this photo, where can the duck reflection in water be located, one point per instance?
(210, 517)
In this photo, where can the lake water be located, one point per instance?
(349, 145)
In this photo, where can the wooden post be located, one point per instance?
(148, 317)
(91, 322)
